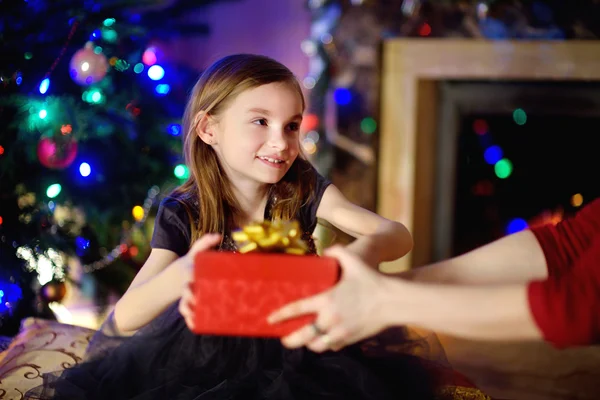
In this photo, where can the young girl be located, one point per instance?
(243, 149)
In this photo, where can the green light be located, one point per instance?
(109, 22)
(43, 114)
(121, 65)
(28, 56)
(520, 116)
(93, 96)
(368, 125)
(89, 95)
(110, 35)
(96, 96)
(139, 67)
(97, 50)
(503, 168)
(53, 190)
(181, 171)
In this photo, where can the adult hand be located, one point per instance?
(362, 248)
(354, 309)
(187, 302)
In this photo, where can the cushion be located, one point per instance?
(41, 346)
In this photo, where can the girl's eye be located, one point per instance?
(294, 126)
(261, 121)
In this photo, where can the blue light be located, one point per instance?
(162, 89)
(81, 246)
(85, 169)
(82, 242)
(492, 155)
(44, 86)
(19, 79)
(10, 294)
(97, 34)
(516, 225)
(174, 129)
(342, 96)
(156, 72)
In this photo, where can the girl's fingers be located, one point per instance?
(188, 295)
(206, 242)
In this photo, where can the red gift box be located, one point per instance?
(235, 293)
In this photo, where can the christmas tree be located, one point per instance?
(90, 141)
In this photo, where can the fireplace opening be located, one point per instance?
(512, 155)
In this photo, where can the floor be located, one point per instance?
(527, 371)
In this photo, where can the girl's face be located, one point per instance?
(257, 136)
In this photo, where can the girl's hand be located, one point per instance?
(187, 302)
(351, 311)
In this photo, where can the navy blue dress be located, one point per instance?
(165, 360)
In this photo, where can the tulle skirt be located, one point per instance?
(165, 360)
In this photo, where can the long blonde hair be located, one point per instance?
(208, 182)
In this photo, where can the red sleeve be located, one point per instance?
(564, 243)
(566, 306)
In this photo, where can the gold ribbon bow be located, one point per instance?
(271, 237)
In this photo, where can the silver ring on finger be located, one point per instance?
(317, 331)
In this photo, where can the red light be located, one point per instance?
(425, 29)
(66, 129)
(480, 126)
(149, 57)
(309, 122)
(483, 188)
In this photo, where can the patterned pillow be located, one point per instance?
(41, 346)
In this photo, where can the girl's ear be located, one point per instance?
(205, 128)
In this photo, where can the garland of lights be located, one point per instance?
(63, 50)
(51, 260)
(116, 252)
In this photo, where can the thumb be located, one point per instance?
(206, 242)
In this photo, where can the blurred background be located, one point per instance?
(92, 92)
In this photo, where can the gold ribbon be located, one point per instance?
(271, 237)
